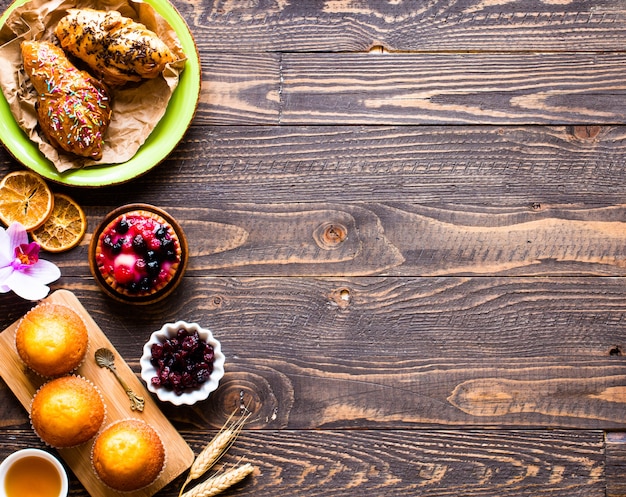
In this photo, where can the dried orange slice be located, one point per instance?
(64, 228)
(25, 198)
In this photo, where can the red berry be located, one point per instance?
(154, 243)
(123, 274)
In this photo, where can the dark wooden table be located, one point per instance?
(407, 228)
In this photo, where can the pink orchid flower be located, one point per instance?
(21, 269)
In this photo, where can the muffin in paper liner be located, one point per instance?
(63, 358)
(56, 425)
(140, 475)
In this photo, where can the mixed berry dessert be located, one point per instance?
(139, 254)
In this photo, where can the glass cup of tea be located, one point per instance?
(32, 473)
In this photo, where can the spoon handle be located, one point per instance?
(136, 402)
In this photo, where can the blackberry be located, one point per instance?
(187, 380)
(168, 248)
(145, 284)
(161, 232)
(190, 343)
(122, 226)
(202, 375)
(171, 345)
(107, 242)
(133, 287)
(117, 246)
(139, 244)
(164, 374)
(153, 268)
(152, 255)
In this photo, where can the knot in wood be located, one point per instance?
(330, 235)
(254, 394)
(586, 132)
(378, 49)
(242, 397)
(341, 297)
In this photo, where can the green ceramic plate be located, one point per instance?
(160, 143)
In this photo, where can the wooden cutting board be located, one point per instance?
(24, 383)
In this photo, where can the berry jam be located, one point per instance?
(182, 362)
(139, 253)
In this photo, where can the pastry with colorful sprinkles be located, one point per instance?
(73, 108)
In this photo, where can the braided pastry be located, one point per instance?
(116, 48)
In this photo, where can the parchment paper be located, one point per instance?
(137, 108)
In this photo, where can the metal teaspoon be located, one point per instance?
(105, 359)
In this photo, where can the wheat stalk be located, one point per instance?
(216, 448)
(220, 482)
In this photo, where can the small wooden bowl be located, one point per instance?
(141, 299)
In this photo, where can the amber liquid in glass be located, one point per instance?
(32, 476)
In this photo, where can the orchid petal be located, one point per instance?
(43, 271)
(21, 270)
(26, 286)
(6, 250)
(17, 235)
(5, 272)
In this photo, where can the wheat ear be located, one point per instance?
(216, 448)
(220, 482)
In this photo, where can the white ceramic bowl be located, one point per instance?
(191, 396)
(24, 453)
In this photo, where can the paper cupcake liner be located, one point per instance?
(100, 428)
(156, 478)
(30, 368)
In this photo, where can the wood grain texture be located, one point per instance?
(408, 26)
(407, 230)
(485, 318)
(399, 462)
(616, 464)
(377, 462)
(413, 88)
(396, 239)
(463, 25)
(452, 88)
(532, 167)
(329, 353)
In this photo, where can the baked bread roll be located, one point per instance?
(116, 48)
(73, 108)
